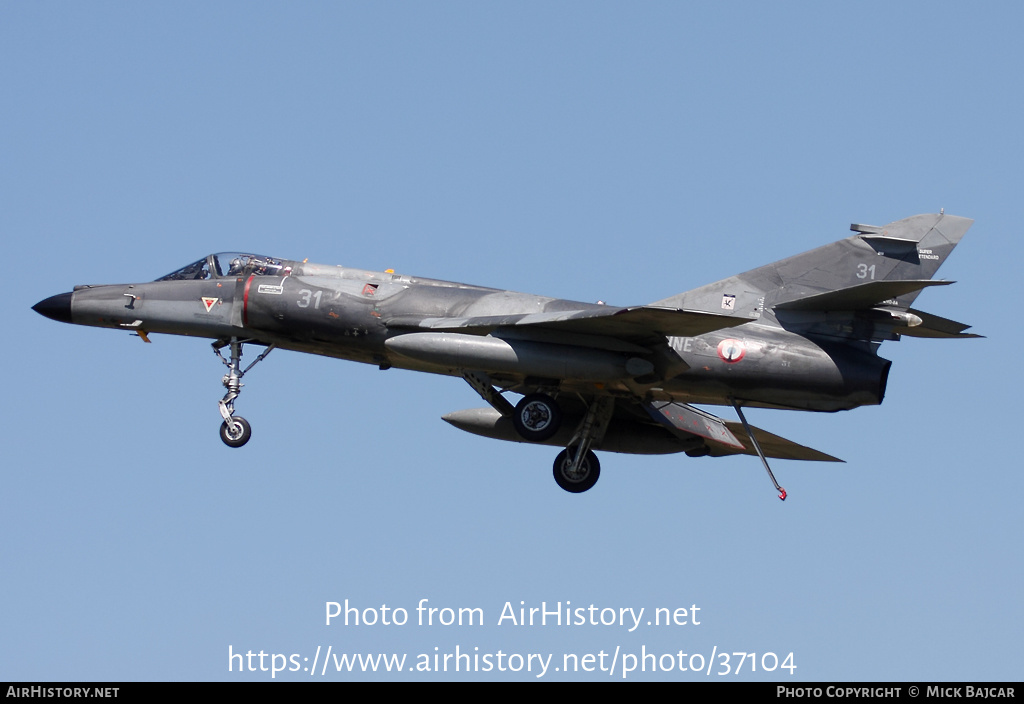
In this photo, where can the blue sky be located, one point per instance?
(581, 150)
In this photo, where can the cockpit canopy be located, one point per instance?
(229, 264)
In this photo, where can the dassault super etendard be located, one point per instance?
(802, 333)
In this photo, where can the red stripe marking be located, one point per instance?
(245, 301)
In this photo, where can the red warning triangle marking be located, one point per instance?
(208, 302)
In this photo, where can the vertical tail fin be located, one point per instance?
(886, 265)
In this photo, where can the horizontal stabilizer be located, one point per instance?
(860, 297)
(932, 326)
(639, 324)
(917, 229)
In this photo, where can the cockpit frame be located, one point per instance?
(224, 265)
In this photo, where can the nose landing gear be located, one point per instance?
(235, 431)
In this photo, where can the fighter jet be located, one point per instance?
(802, 333)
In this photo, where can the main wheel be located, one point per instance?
(237, 433)
(579, 481)
(537, 417)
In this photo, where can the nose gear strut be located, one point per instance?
(235, 431)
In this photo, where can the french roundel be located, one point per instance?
(731, 351)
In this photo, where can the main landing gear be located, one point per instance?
(577, 468)
(235, 431)
(537, 417)
(574, 473)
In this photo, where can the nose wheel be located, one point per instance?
(235, 431)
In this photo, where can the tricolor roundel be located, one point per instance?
(731, 350)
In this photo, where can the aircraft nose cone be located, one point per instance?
(55, 307)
